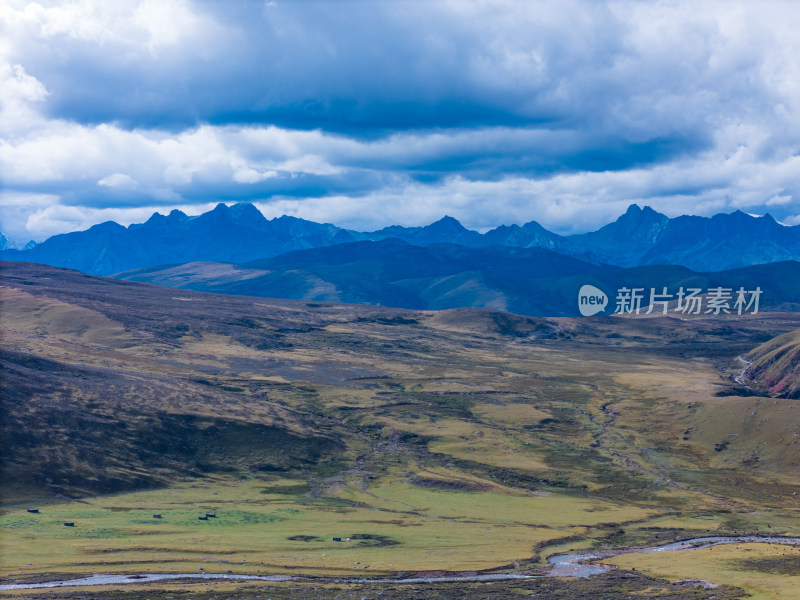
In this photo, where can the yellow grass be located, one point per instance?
(725, 564)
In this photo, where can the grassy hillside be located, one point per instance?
(460, 440)
(775, 366)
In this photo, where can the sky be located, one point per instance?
(367, 113)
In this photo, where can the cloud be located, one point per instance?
(359, 66)
(377, 112)
(779, 200)
(16, 208)
(248, 175)
(19, 94)
(118, 180)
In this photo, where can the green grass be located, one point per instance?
(550, 510)
(254, 530)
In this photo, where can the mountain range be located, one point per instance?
(240, 233)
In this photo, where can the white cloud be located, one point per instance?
(247, 175)
(166, 22)
(791, 220)
(130, 22)
(118, 180)
(18, 86)
(779, 200)
(16, 208)
(174, 167)
(19, 95)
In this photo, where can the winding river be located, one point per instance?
(562, 565)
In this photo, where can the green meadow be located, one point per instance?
(258, 530)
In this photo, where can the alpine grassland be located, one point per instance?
(341, 442)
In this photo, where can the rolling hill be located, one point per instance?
(181, 364)
(531, 281)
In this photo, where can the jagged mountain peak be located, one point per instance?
(158, 219)
(634, 209)
(637, 226)
(246, 210)
(446, 224)
(635, 212)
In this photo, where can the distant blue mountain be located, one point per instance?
(240, 233)
(530, 281)
(230, 234)
(446, 229)
(7, 244)
(724, 241)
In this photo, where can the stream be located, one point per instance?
(562, 565)
(576, 565)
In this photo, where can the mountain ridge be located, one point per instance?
(240, 233)
(529, 281)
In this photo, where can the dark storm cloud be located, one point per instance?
(356, 67)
